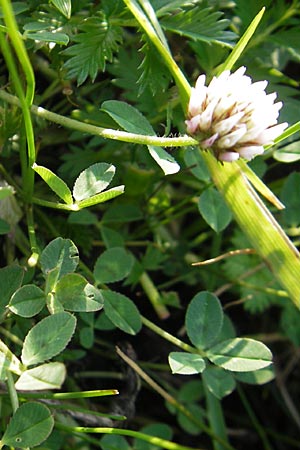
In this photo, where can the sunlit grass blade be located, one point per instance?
(260, 186)
(71, 395)
(242, 43)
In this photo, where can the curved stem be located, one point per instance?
(106, 133)
(123, 432)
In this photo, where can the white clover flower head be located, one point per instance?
(233, 116)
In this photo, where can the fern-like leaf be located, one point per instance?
(95, 45)
(154, 73)
(200, 25)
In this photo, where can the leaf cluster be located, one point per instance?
(108, 257)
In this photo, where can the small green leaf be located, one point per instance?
(227, 330)
(122, 312)
(289, 323)
(218, 381)
(111, 237)
(86, 337)
(240, 355)
(128, 212)
(8, 361)
(133, 121)
(111, 442)
(29, 426)
(101, 198)
(63, 6)
(95, 44)
(85, 217)
(18, 8)
(290, 196)
(288, 153)
(165, 161)
(49, 36)
(55, 183)
(259, 377)
(195, 162)
(128, 117)
(4, 227)
(6, 191)
(113, 265)
(186, 363)
(46, 376)
(10, 280)
(93, 180)
(196, 412)
(204, 319)
(60, 255)
(154, 74)
(27, 301)
(191, 391)
(48, 337)
(74, 293)
(214, 210)
(103, 323)
(200, 24)
(159, 430)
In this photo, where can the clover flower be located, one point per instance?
(233, 116)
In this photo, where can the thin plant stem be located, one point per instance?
(124, 432)
(26, 100)
(148, 8)
(19, 47)
(7, 53)
(71, 395)
(181, 81)
(170, 399)
(169, 337)
(154, 296)
(106, 133)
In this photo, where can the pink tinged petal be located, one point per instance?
(250, 151)
(205, 119)
(229, 140)
(228, 156)
(252, 133)
(226, 125)
(192, 124)
(267, 136)
(207, 143)
(224, 105)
